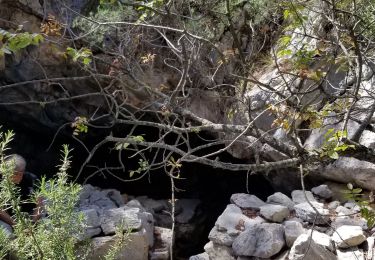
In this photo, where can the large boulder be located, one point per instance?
(262, 240)
(350, 170)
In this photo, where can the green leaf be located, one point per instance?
(333, 155)
(284, 52)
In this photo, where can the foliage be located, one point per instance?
(14, 42)
(121, 238)
(334, 143)
(143, 166)
(82, 55)
(99, 35)
(80, 125)
(56, 235)
(356, 195)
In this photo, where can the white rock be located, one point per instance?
(281, 199)
(293, 230)
(136, 247)
(263, 240)
(322, 239)
(274, 213)
(305, 212)
(349, 221)
(202, 256)
(218, 252)
(350, 254)
(298, 196)
(221, 238)
(333, 204)
(351, 170)
(232, 219)
(348, 236)
(344, 211)
(111, 219)
(247, 201)
(322, 191)
(305, 248)
(370, 248)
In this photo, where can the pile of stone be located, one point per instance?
(310, 226)
(106, 211)
(146, 220)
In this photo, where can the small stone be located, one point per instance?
(274, 213)
(348, 236)
(370, 247)
(322, 191)
(281, 199)
(322, 239)
(221, 238)
(349, 221)
(91, 218)
(305, 212)
(298, 196)
(350, 254)
(333, 204)
(344, 211)
(202, 256)
(247, 201)
(136, 247)
(112, 218)
(305, 248)
(293, 230)
(115, 196)
(218, 252)
(263, 240)
(233, 221)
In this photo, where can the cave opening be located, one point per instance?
(211, 186)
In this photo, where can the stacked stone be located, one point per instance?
(309, 225)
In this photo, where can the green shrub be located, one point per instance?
(55, 236)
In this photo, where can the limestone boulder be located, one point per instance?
(351, 170)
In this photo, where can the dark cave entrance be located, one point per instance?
(213, 187)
